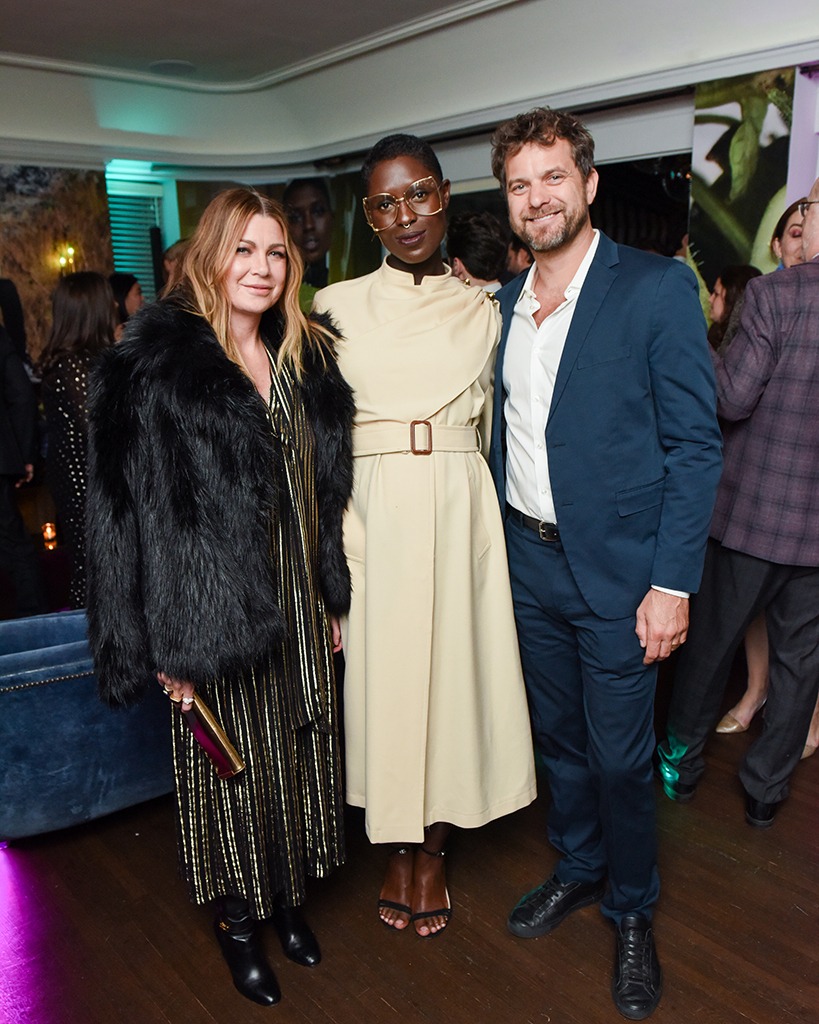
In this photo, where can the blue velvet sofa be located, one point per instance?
(65, 757)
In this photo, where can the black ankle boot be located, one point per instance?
(238, 938)
(298, 942)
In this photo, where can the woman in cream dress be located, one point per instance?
(436, 724)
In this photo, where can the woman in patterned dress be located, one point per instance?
(82, 327)
(220, 465)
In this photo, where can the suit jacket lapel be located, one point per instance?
(595, 288)
(507, 296)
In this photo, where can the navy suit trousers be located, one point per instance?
(591, 700)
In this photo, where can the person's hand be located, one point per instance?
(29, 468)
(662, 624)
(177, 689)
(335, 633)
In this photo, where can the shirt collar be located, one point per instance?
(527, 293)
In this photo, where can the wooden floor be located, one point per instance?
(95, 927)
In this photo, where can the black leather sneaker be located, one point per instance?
(542, 909)
(637, 982)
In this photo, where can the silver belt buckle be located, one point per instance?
(547, 532)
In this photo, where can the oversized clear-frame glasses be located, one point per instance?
(422, 197)
(803, 206)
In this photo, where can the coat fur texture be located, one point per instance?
(184, 477)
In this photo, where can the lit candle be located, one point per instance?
(50, 536)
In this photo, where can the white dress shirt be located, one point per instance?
(529, 370)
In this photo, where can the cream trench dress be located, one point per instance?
(436, 721)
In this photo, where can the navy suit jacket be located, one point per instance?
(632, 436)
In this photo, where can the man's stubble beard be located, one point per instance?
(571, 228)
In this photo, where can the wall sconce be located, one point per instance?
(65, 257)
(49, 536)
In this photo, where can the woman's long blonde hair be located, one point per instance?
(206, 262)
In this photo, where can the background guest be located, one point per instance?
(18, 444)
(310, 217)
(725, 295)
(763, 552)
(12, 315)
(786, 246)
(518, 257)
(172, 264)
(83, 325)
(786, 240)
(128, 296)
(476, 249)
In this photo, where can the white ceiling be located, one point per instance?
(228, 44)
(278, 88)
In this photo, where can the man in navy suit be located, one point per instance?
(606, 456)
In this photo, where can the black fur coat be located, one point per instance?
(184, 476)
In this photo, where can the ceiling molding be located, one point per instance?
(342, 154)
(619, 91)
(623, 90)
(41, 153)
(367, 44)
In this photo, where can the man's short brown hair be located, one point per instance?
(541, 126)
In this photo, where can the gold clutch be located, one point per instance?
(212, 738)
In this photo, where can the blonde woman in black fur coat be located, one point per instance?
(219, 467)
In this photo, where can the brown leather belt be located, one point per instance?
(546, 531)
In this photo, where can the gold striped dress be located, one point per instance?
(265, 830)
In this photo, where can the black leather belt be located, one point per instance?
(546, 531)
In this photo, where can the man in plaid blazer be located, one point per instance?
(763, 551)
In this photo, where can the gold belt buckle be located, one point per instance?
(413, 448)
